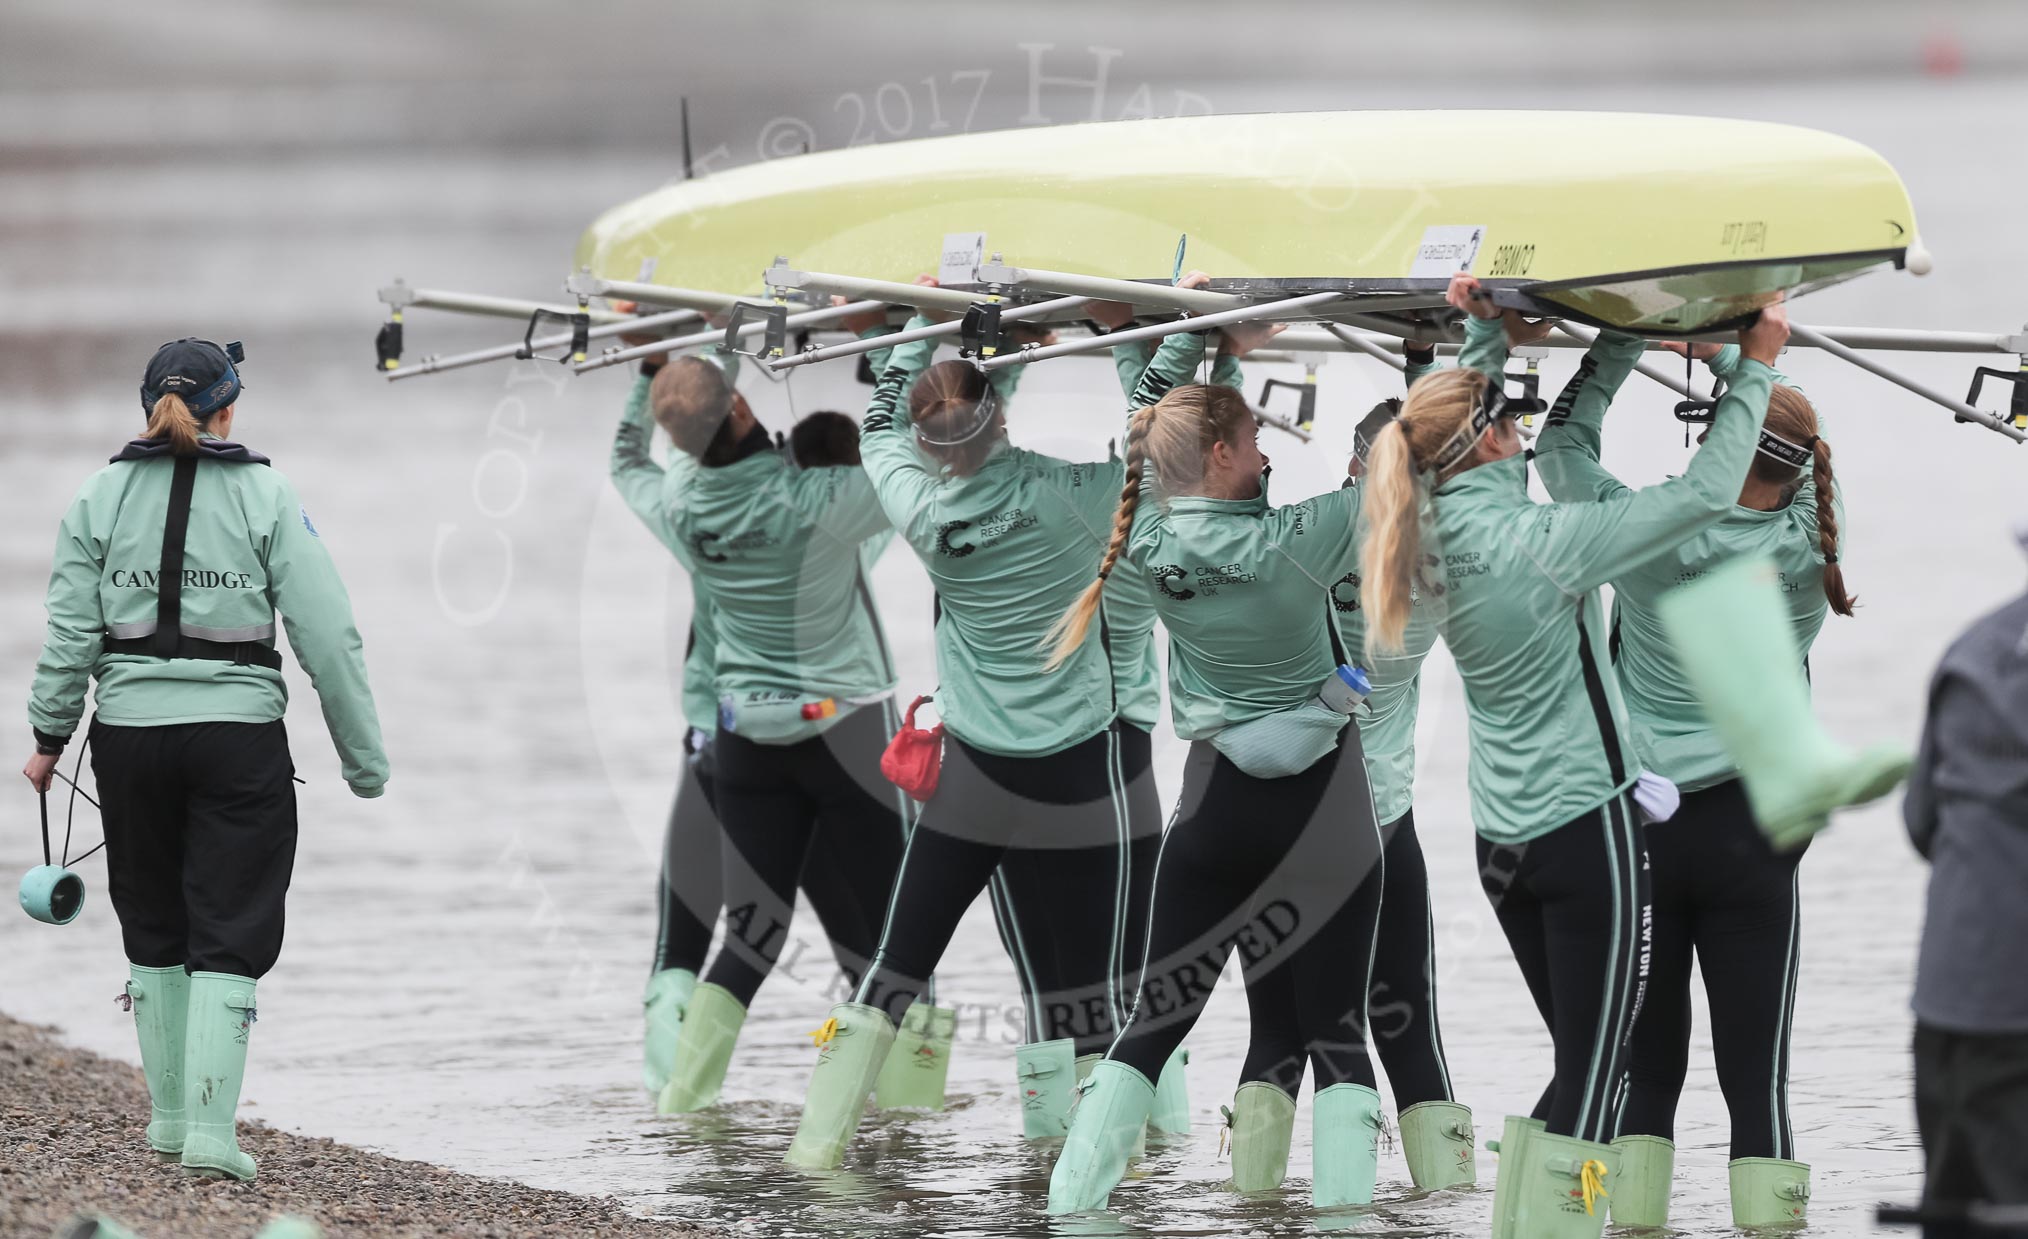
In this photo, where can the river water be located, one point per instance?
(462, 976)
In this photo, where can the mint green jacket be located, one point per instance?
(1671, 735)
(250, 552)
(777, 551)
(700, 663)
(1009, 549)
(1387, 724)
(700, 658)
(1245, 590)
(1513, 586)
(1146, 374)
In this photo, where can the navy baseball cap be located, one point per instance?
(197, 370)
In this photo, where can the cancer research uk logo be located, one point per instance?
(984, 532)
(1165, 573)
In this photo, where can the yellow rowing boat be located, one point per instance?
(1668, 224)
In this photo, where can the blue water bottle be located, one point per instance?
(1344, 689)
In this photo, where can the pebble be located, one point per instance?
(72, 1144)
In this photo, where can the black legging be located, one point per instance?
(1574, 904)
(688, 895)
(1402, 1009)
(1721, 891)
(817, 808)
(1289, 872)
(1056, 837)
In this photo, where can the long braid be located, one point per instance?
(1071, 628)
(1827, 531)
(1130, 490)
(1791, 417)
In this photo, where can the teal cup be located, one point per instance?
(52, 894)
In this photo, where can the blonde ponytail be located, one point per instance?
(1071, 628)
(1393, 540)
(171, 419)
(1439, 408)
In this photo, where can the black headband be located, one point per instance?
(1491, 407)
(1795, 455)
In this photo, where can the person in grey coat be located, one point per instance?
(1967, 813)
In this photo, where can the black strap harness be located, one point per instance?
(168, 640)
(169, 585)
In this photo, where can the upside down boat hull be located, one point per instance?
(1666, 224)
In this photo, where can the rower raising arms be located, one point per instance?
(1436, 1136)
(1274, 848)
(1720, 890)
(193, 764)
(1552, 771)
(687, 885)
(803, 679)
(1043, 792)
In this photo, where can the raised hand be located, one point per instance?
(1467, 294)
(1763, 341)
(936, 316)
(1520, 331)
(1111, 315)
(1244, 338)
(633, 339)
(1702, 350)
(864, 321)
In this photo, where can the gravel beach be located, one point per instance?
(71, 1143)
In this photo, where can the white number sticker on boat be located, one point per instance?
(1446, 249)
(963, 252)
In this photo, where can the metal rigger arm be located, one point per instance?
(1343, 321)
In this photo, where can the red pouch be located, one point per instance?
(914, 757)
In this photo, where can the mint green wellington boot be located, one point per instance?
(1436, 1141)
(1641, 1193)
(1344, 1145)
(1261, 1123)
(1111, 1110)
(1171, 1115)
(1767, 1191)
(214, 1063)
(1738, 653)
(852, 1045)
(667, 995)
(1559, 1187)
(160, 998)
(1512, 1143)
(919, 1065)
(1085, 1062)
(711, 1024)
(1048, 1074)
